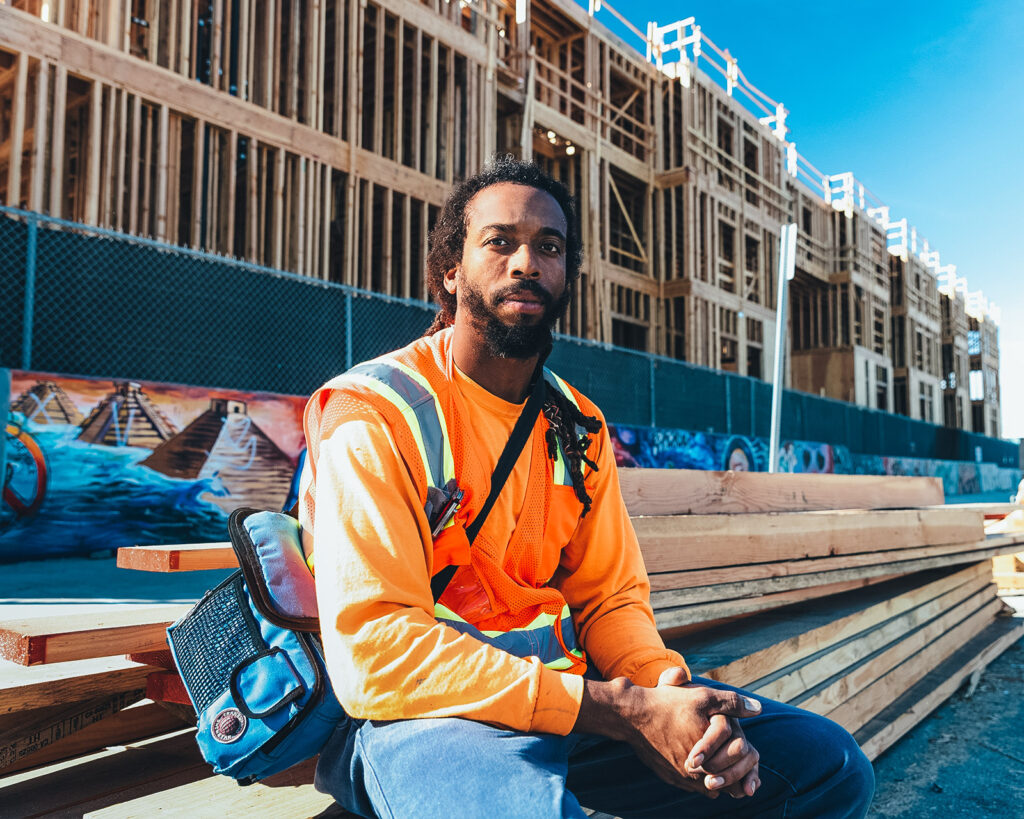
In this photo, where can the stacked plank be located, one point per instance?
(862, 598)
(818, 592)
(67, 686)
(1009, 569)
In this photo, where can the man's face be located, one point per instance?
(510, 285)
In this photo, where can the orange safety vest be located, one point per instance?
(521, 615)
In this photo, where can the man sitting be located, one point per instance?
(538, 682)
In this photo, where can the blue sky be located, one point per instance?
(922, 101)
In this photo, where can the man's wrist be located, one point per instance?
(610, 708)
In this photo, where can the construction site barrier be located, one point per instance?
(82, 300)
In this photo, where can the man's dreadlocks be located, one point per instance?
(447, 240)
(564, 418)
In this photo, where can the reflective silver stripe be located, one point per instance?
(424, 408)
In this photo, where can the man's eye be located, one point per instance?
(500, 241)
(551, 247)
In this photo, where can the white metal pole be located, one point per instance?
(787, 270)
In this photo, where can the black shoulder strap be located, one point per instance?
(509, 455)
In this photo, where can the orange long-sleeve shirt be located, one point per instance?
(388, 658)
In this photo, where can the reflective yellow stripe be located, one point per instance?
(542, 620)
(560, 665)
(565, 388)
(393, 397)
(449, 461)
(446, 613)
(560, 468)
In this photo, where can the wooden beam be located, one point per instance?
(200, 159)
(378, 81)
(269, 56)
(24, 733)
(163, 135)
(681, 542)
(119, 221)
(695, 492)
(17, 132)
(90, 59)
(682, 597)
(862, 706)
(58, 139)
(399, 136)
(187, 29)
(432, 119)
(169, 772)
(388, 276)
(137, 721)
(93, 169)
(153, 32)
(325, 226)
(292, 96)
(278, 209)
(750, 650)
(864, 669)
(252, 229)
(86, 636)
(417, 102)
(408, 263)
(936, 686)
(367, 216)
(172, 36)
(449, 117)
(146, 174)
(42, 686)
(227, 197)
(173, 195)
(671, 620)
(1009, 581)
(134, 155)
(663, 581)
(299, 214)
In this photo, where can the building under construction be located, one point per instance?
(321, 137)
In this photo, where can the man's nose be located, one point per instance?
(523, 263)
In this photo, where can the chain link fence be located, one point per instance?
(79, 300)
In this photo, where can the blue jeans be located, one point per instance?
(810, 767)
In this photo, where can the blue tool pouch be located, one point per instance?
(250, 657)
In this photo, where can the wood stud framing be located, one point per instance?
(355, 118)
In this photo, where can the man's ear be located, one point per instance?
(449, 280)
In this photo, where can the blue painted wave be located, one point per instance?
(98, 497)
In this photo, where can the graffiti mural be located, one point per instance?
(90, 464)
(682, 449)
(94, 464)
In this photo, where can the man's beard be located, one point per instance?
(522, 338)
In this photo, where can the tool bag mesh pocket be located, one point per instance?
(213, 638)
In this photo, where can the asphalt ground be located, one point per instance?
(967, 757)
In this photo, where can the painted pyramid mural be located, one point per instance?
(126, 417)
(225, 445)
(45, 402)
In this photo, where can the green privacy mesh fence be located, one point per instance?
(85, 301)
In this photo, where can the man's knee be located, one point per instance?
(859, 781)
(446, 767)
(847, 774)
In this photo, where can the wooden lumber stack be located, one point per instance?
(862, 598)
(1009, 569)
(818, 591)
